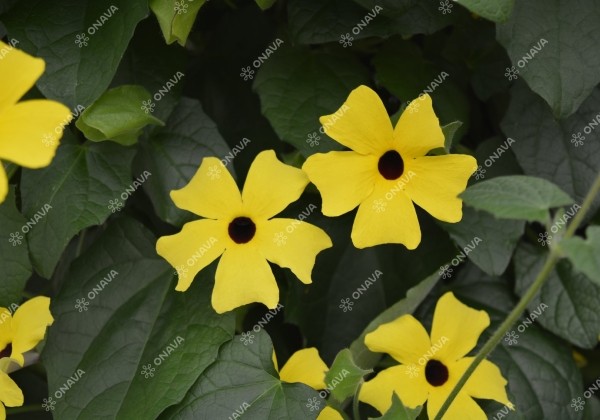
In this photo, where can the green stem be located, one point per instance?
(515, 314)
(10, 169)
(355, 410)
(24, 409)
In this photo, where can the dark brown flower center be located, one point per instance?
(436, 373)
(391, 165)
(7, 351)
(242, 230)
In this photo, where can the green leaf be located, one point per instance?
(76, 76)
(556, 61)
(80, 183)
(297, 86)
(176, 17)
(585, 254)
(134, 322)
(173, 155)
(487, 241)
(399, 412)
(265, 4)
(449, 131)
(516, 197)
(344, 376)
(541, 372)
(15, 268)
(362, 355)
(545, 147)
(572, 299)
(118, 115)
(494, 10)
(244, 382)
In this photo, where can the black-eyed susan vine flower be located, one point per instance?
(29, 130)
(431, 364)
(19, 333)
(307, 367)
(387, 170)
(240, 227)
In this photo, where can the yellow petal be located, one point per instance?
(271, 186)
(211, 192)
(10, 393)
(29, 325)
(405, 339)
(462, 408)
(437, 183)
(344, 179)
(305, 366)
(387, 216)
(244, 276)
(486, 382)
(418, 129)
(292, 244)
(456, 327)
(412, 390)
(361, 124)
(30, 132)
(329, 413)
(197, 245)
(6, 333)
(18, 72)
(3, 183)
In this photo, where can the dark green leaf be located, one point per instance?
(140, 343)
(399, 412)
(494, 10)
(585, 255)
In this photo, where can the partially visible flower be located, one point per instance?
(454, 333)
(388, 165)
(10, 393)
(240, 227)
(25, 125)
(23, 330)
(307, 367)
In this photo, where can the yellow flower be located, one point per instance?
(307, 367)
(29, 130)
(10, 394)
(431, 365)
(23, 330)
(387, 170)
(241, 228)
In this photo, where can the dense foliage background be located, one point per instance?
(166, 83)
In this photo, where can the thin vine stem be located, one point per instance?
(355, 403)
(515, 314)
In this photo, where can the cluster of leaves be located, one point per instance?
(165, 83)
